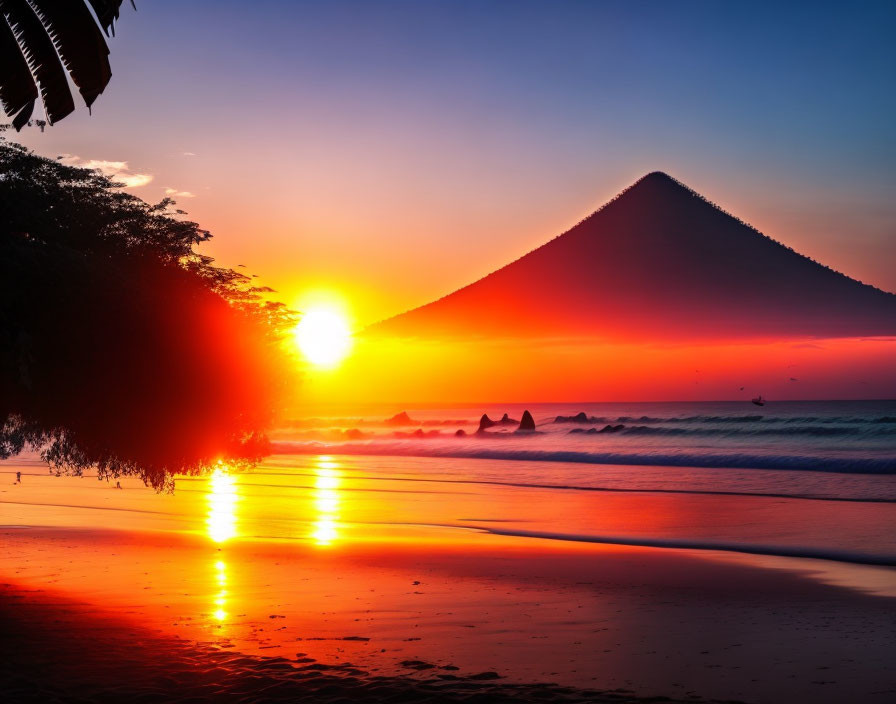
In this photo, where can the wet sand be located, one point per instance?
(653, 623)
(53, 650)
(191, 597)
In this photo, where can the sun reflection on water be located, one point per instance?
(220, 599)
(222, 498)
(221, 527)
(326, 501)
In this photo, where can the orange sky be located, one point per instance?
(526, 371)
(417, 147)
(379, 163)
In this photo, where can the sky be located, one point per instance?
(387, 153)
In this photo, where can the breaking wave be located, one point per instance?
(758, 419)
(814, 430)
(733, 460)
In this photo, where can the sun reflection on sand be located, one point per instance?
(220, 599)
(326, 501)
(222, 498)
(221, 527)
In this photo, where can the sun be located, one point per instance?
(323, 336)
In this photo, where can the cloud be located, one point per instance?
(174, 193)
(118, 171)
(189, 153)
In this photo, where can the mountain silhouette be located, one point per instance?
(657, 262)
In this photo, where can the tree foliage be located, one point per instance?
(120, 346)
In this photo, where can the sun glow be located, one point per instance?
(323, 336)
(324, 530)
(222, 497)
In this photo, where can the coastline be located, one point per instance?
(351, 578)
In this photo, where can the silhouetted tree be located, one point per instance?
(43, 43)
(120, 347)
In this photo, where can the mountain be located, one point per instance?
(657, 262)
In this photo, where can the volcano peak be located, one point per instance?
(659, 261)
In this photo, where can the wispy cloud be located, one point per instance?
(189, 153)
(174, 193)
(116, 170)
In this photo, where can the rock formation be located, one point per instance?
(527, 423)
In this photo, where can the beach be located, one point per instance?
(547, 356)
(648, 622)
(419, 578)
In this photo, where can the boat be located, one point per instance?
(759, 401)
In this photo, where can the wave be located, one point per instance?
(850, 556)
(340, 424)
(566, 487)
(732, 460)
(839, 420)
(812, 430)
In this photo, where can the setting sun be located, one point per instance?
(323, 336)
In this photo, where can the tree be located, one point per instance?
(42, 44)
(120, 346)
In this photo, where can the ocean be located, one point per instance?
(801, 479)
(797, 480)
(718, 548)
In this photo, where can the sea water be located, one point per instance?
(797, 479)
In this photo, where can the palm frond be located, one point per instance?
(17, 89)
(79, 42)
(42, 43)
(107, 12)
(42, 59)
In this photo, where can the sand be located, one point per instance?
(401, 623)
(56, 650)
(116, 595)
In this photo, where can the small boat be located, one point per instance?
(759, 401)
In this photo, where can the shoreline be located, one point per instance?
(381, 573)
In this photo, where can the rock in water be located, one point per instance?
(485, 422)
(400, 419)
(460, 432)
(579, 417)
(527, 424)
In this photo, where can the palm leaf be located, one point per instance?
(79, 42)
(107, 12)
(42, 58)
(17, 90)
(42, 43)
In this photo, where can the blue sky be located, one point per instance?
(402, 149)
